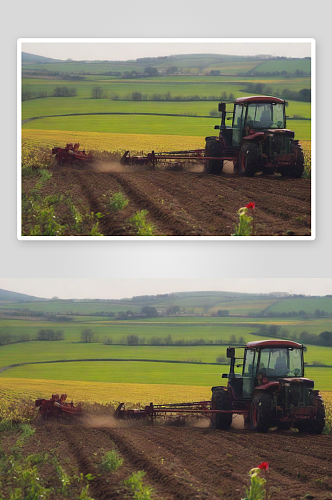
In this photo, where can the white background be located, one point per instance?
(157, 259)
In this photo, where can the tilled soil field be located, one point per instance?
(184, 203)
(186, 463)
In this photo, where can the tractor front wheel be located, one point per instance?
(260, 412)
(214, 149)
(221, 401)
(247, 162)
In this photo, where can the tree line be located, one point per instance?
(303, 95)
(284, 73)
(28, 94)
(322, 339)
(42, 334)
(318, 313)
(89, 336)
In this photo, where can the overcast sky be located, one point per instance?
(116, 51)
(122, 288)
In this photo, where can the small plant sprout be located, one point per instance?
(139, 490)
(246, 225)
(143, 227)
(258, 485)
(111, 461)
(118, 202)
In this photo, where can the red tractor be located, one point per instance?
(257, 141)
(271, 391)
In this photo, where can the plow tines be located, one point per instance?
(165, 158)
(175, 412)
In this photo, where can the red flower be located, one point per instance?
(263, 466)
(250, 206)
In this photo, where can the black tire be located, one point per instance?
(260, 412)
(247, 163)
(221, 401)
(213, 148)
(316, 425)
(296, 170)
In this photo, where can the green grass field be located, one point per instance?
(203, 86)
(196, 303)
(192, 63)
(308, 305)
(62, 105)
(290, 66)
(150, 125)
(180, 328)
(144, 373)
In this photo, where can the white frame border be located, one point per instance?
(312, 42)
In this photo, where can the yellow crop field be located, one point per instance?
(15, 391)
(32, 140)
(327, 397)
(16, 395)
(100, 141)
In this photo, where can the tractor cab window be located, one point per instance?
(280, 362)
(238, 124)
(259, 115)
(248, 368)
(278, 116)
(238, 116)
(249, 372)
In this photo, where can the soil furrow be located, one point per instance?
(144, 196)
(163, 468)
(184, 203)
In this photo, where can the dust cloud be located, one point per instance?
(238, 422)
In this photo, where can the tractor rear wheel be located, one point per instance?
(316, 425)
(213, 148)
(247, 162)
(221, 401)
(260, 412)
(296, 170)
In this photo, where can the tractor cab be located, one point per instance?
(264, 362)
(250, 115)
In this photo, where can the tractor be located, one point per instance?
(270, 392)
(257, 141)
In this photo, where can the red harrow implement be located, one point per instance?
(70, 154)
(57, 407)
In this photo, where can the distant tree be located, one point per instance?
(63, 91)
(49, 334)
(306, 94)
(215, 72)
(222, 312)
(172, 310)
(171, 70)
(149, 311)
(150, 71)
(88, 336)
(136, 96)
(27, 94)
(121, 315)
(132, 340)
(327, 336)
(221, 359)
(98, 93)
